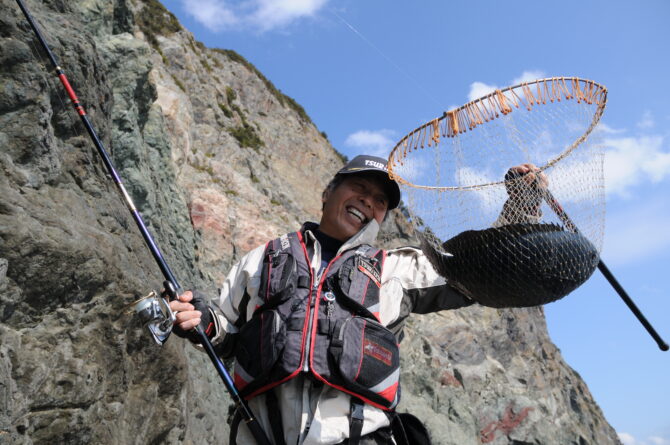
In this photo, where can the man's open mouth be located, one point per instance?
(357, 213)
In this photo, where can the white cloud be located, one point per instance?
(637, 232)
(529, 76)
(491, 199)
(630, 161)
(604, 129)
(479, 89)
(575, 181)
(628, 439)
(646, 122)
(278, 13)
(263, 15)
(214, 15)
(414, 171)
(377, 143)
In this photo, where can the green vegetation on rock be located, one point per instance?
(205, 64)
(156, 20)
(297, 108)
(203, 168)
(226, 111)
(283, 99)
(231, 95)
(178, 83)
(246, 136)
(343, 157)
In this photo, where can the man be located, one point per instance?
(314, 317)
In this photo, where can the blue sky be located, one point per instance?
(369, 71)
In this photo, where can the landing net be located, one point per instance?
(452, 174)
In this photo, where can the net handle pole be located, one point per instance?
(558, 209)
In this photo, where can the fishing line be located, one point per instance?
(418, 84)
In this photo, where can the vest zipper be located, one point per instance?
(308, 343)
(314, 321)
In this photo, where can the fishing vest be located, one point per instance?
(327, 327)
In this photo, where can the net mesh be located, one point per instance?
(454, 174)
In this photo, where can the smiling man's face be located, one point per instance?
(351, 205)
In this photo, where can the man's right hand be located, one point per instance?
(191, 310)
(525, 184)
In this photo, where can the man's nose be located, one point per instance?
(366, 198)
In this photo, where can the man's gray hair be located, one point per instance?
(332, 185)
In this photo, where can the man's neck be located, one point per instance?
(327, 242)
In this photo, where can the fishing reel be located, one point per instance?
(155, 315)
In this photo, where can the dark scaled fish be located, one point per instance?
(516, 265)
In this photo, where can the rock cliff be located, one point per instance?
(218, 160)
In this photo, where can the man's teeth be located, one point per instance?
(356, 213)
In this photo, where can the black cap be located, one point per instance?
(365, 163)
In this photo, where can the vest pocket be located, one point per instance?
(279, 277)
(358, 279)
(259, 344)
(368, 359)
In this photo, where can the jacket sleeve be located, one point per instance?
(513, 213)
(237, 300)
(410, 284)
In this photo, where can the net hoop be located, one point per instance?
(491, 106)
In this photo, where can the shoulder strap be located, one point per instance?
(355, 421)
(275, 417)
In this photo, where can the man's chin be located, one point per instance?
(352, 229)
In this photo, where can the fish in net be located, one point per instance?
(499, 236)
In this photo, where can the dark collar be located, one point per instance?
(328, 243)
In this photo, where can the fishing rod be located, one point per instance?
(570, 225)
(153, 310)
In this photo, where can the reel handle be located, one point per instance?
(171, 290)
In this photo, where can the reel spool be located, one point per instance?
(452, 171)
(155, 315)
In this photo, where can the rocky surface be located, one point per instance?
(218, 160)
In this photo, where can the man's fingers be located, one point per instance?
(525, 168)
(189, 324)
(178, 306)
(532, 173)
(187, 320)
(186, 296)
